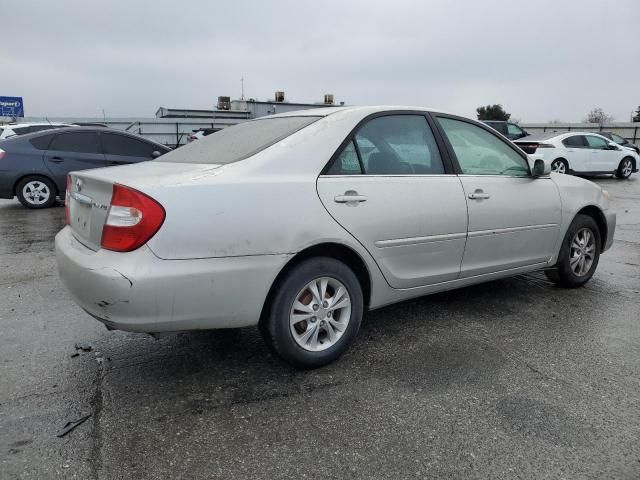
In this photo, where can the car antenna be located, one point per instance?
(47, 119)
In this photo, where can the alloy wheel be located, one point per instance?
(582, 254)
(36, 192)
(558, 166)
(320, 314)
(627, 168)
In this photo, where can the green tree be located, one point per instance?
(493, 112)
(636, 117)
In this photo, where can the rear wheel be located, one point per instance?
(36, 192)
(559, 165)
(579, 254)
(315, 314)
(625, 168)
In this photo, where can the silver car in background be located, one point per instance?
(301, 222)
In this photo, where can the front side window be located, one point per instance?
(479, 152)
(398, 145)
(575, 141)
(596, 142)
(618, 139)
(80, 142)
(123, 145)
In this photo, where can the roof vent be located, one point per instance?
(328, 99)
(279, 96)
(224, 103)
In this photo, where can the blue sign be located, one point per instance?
(11, 107)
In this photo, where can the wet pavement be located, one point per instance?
(510, 379)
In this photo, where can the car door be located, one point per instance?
(603, 158)
(69, 151)
(121, 149)
(389, 188)
(577, 153)
(514, 218)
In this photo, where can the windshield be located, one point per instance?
(239, 141)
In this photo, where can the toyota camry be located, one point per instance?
(299, 223)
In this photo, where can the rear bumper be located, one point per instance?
(610, 218)
(137, 291)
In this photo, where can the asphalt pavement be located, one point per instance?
(510, 379)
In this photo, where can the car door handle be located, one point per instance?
(479, 195)
(350, 196)
(56, 159)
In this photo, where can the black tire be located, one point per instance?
(275, 327)
(562, 273)
(625, 168)
(557, 162)
(42, 202)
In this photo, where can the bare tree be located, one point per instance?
(597, 115)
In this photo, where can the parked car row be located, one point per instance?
(34, 166)
(576, 152)
(299, 222)
(582, 153)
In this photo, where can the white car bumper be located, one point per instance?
(137, 291)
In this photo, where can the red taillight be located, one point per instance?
(133, 218)
(66, 201)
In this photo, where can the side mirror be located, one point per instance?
(540, 168)
(155, 154)
(613, 146)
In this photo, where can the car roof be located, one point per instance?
(326, 111)
(31, 124)
(547, 135)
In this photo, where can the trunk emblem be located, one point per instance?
(78, 184)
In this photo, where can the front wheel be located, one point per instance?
(625, 168)
(579, 254)
(559, 165)
(315, 314)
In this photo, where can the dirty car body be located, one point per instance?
(395, 194)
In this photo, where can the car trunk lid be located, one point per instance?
(90, 191)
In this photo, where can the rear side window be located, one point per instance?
(347, 163)
(124, 145)
(513, 129)
(241, 141)
(42, 142)
(576, 141)
(80, 142)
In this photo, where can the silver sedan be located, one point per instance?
(299, 223)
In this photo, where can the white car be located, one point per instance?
(581, 153)
(300, 222)
(12, 129)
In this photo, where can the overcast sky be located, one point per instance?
(543, 60)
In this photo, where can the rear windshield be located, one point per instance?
(238, 142)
